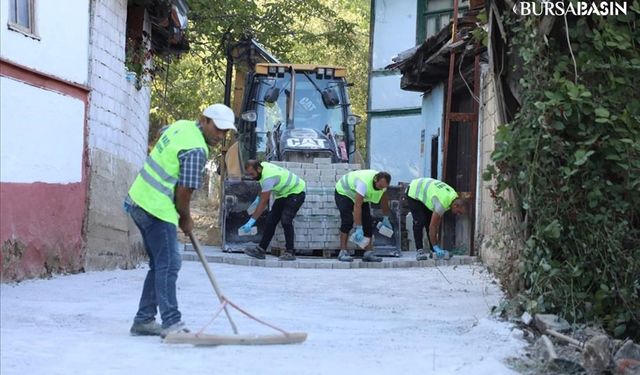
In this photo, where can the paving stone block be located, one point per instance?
(327, 172)
(307, 265)
(400, 264)
(326, 167)
(273, 263)
(298, 172)
(316, 232)
(316, 244)
(374, 264)
(321, 160)
(289, 264)
(312, 198)
(341, 265)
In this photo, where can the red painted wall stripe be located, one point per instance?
(42, 225)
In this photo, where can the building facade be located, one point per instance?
(74, 130)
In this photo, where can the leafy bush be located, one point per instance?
(572, 158)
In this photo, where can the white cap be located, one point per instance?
(222, 116)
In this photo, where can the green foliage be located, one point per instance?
(180, 92)
(313, 31)
(572, 158)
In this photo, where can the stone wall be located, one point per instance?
(118, 137)
(497, 233)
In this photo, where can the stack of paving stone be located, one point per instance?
(317, 225)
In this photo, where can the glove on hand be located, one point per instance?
(247, 226)
(359, 236)
(439, 252)
(386, 222)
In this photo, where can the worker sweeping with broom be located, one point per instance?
(158, 202)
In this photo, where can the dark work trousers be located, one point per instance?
(283, 210)
(421, 220)
(345, 206)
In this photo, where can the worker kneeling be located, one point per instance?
(289, 191)
(354, 192)
(428, 200)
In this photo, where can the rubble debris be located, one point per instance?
(553, 322)
(627, 359)
(597, 354)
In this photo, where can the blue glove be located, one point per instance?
(386, 222)
(254, 205)
(439, 252)
(247, 226)
(359, 236)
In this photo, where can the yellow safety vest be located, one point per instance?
(347, 185)
(424, 189)
(153, 188)
(288, 184)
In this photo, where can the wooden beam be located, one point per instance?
(461, 117)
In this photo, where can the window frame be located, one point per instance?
(13, 22)
(422, 14)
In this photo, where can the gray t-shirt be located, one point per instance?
(269, 183)
(437, 206)
(361, 188)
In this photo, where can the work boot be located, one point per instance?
(287, 255)
(344, 256)
(255, 252)
(421, 255)
(369, 256)
(151, 328)
(178, 327)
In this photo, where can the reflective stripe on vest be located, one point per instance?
(347, 185)
(153, 188)
(424, 189)
(161, 172)
(418, 189)
(155, 184)
(288, 183)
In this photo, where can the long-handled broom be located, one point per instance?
(201, 338)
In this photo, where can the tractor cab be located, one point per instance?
(296, 113)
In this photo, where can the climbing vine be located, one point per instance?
(571, 156)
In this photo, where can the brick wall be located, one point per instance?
(118, 136)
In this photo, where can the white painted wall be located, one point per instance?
(396, 141)
(394, 29)
(63, 46)
(42, 135)
(433, 120)
(386, 94)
